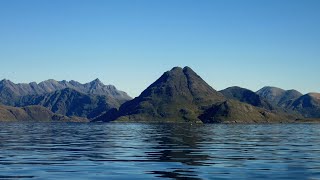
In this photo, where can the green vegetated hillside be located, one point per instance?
(232, 111)
(34, 113)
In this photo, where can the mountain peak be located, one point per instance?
(50, 80)
(188, 71)
(6, 81)
(177, 68)
(187, 68)
(97, 82)
(271, 89)
(180, 69)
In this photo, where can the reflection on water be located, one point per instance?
(151, 151)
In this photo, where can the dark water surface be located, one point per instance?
(153, 151)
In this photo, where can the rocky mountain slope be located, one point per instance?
(70, 102)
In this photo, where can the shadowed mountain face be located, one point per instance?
(246, 96)
(178, 95)
(279, 97)
(34, 113)
(10, 91)
(70, 102)
(308, 105)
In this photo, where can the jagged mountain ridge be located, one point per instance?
(96, 87)
(69, 98)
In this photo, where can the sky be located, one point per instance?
(130, 43)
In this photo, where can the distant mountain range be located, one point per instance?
(307, 105)
(95, 87)
(179, 96)
(68, 98)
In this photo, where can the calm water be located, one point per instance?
(151, 151)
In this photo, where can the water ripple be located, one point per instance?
(155, 151)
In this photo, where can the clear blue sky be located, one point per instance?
(130, 43)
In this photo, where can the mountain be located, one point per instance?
(279, 97)
(293, 101)
(180, 95)
(34, 113)
(246, 96)
(232, 111)
(177, 96)
(308, 105)
(70, 102)
(10, 92)
(69, 98)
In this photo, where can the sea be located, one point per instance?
(159, 151)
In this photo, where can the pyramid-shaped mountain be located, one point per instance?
(179, 95)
